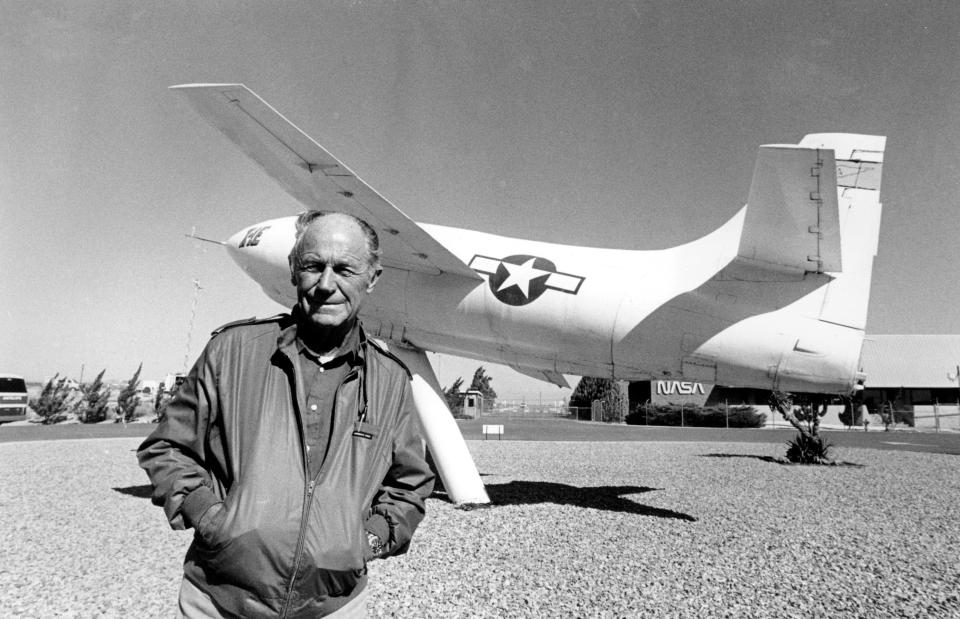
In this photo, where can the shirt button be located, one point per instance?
(313, 407)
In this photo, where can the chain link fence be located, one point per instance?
(505, 408)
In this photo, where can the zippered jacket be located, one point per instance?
(283, 544)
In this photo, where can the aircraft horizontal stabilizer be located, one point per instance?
(859, 157)
(315, 177)
(792, 221)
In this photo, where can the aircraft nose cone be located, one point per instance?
(261, 250)
(234, 241)
(233, 247)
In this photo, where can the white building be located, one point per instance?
(915, 376)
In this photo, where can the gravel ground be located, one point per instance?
(576, 529)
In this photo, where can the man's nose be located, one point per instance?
(327, 281)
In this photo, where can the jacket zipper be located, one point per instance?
(298, 554)
(307, 497)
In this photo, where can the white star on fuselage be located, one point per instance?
(520, 276)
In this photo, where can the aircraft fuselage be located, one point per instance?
(548, 309)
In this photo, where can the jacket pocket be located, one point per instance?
(245, 550)
(240, 561)
(335, 566)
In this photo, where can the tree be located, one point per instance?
(452, 395)
(128, 400)
(616, 403)
(804, 415)
(92, 406)
(588, 390)
(481, 383)
(54, 400)
(608, 392)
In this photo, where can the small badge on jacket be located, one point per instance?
(362, 429)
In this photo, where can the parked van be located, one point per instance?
(13, 398)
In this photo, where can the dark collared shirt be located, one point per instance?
(321, 375)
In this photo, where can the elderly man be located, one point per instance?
(292, 447)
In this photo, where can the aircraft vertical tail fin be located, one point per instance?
(859, 167)
(791, 224)
(800, 198)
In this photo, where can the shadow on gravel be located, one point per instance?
(782, 461)
(598, 497)
(141, 492)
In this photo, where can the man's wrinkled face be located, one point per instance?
(332, 272)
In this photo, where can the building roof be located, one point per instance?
(920, 361)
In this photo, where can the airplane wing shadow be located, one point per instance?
(775, 460)
(608, 498)
(141, 492)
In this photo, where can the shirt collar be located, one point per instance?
(348, 348)
(352, 345)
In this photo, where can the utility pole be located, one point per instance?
(193, 314)
(957, 376)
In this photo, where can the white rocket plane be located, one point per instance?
(776, 298)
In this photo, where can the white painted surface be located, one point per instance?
(454, 463)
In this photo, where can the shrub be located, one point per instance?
(128, 400)
(54, 401)
(807, 449)
(92, 406)
(696, 416)
(803, 411)
(904, 416)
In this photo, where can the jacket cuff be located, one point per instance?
(196, 504)
(378, 525)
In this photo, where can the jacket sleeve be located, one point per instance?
(408, 483)
(181, 453)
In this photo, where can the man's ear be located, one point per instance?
(293, 274)
(373, 279)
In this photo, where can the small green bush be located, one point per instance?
(92, 407)
(696, 416)
(128, 400)
(806, 449)
(903, 416)
(55, 400)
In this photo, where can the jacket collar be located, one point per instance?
(290, 345)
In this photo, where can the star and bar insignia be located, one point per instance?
(521, 279)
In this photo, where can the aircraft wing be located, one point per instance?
(315, 177)
(793, 220)
(550, 376)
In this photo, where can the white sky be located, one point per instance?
(617, 124)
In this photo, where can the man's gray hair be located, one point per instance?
(306, 218)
